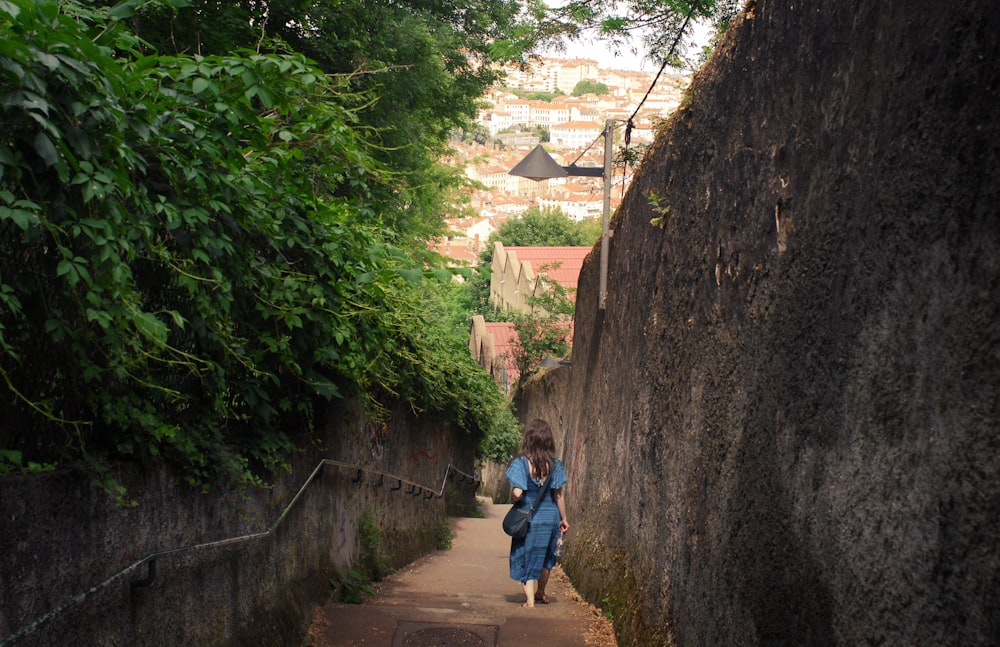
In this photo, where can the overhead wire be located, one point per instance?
(630, 124)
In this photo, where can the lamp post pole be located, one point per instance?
(609, 130)
(539, 165)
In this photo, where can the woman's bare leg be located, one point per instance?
(542, 581)
(529, 592)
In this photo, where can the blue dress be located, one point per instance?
(528, 556)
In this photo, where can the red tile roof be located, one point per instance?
(569, 260)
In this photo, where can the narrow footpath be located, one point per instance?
(463, 597)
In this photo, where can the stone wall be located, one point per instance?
(60, 536)
(784, 429)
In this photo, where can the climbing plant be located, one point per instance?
(188, 257)
(545, 329)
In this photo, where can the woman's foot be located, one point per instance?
(527, 605)
(541, 597)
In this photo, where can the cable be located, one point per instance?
(666, 59)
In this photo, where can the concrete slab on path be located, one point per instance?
(462, 597)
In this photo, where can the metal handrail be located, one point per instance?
(150, 560)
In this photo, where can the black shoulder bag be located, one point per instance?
(517, 520)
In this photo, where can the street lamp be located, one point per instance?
(539, 165)
(551, 362)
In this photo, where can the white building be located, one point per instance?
(577, 207)
(575, 134)
(495, 121)
(573, 71)
(518, 109)
(547, 114)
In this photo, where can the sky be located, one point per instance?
(622, 59)
(606, 58)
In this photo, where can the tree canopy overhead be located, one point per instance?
(416, 67)
(192, 258)
(657, 24)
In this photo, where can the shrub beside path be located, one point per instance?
(463, 597)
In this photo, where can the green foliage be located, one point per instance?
(548, 227)
(177, 302)
(410, 85)
(658, 23)
(474, 133)
(354, 587)
(501, 442)
(554, 302)
(589, 87)
(443, 532)
(658, 204)
(630, 157)
(190, 258)
(479, 292)
(538, 335)
(547, 97)
(544, 331)
(451, 302)
(609, 606)
(12, 461)
(373, 559)
(544, 228)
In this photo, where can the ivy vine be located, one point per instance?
(189, 260)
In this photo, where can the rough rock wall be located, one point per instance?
(784, 429)
(59, 536)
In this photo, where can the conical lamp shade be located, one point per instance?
(538, 165)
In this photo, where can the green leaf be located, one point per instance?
(46, 150)
(103, 318)
(29, 101)
(67, 269)
(412, 275)
(21, 218)
(10, 8)
(12, 456)
(444, 276)
(48, 60)
(177, 317)
(151, 327)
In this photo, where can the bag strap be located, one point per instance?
(545, 485)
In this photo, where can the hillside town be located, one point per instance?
(514, 119)
(570, 127)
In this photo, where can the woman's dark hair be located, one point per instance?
(539, 446)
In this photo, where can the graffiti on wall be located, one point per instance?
(377, 433)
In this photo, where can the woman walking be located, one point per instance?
(532, 558)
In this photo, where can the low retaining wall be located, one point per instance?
(61, 538)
